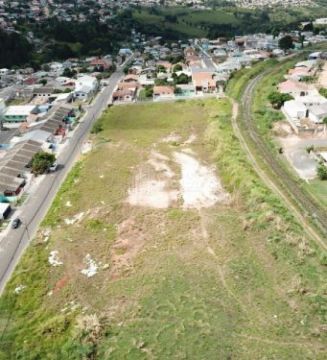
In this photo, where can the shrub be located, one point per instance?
(97, 127)
(41, 162)
(322, 171)
(277, 99)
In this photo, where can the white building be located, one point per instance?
(321, 21)
(294, 110)
(85, 87)
(318, 113)
(2, 107)
(4, 71)
(18, 113)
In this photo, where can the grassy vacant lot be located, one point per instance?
(231, 281)
(181, 22)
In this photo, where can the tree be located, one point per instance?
(68, 73)
(148, 91)
(181, 79)
(322, 171)
(286, 43)
(43, 82)
(323, 92)
(277, 99)
(97, 128)
(309, 149)
(161, 69)
(41, 162)
(324, 121)
(178, 67)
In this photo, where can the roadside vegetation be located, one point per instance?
(41, 162)
(234, 280)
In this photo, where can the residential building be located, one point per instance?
(163, 92)
(204, 82)
(317, 113)
(85, 87)
(18, 113)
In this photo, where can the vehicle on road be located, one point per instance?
(53, 167)
(16, 223)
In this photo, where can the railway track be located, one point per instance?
(303, 201)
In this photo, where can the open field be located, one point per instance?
(164, 244)
(183, 22)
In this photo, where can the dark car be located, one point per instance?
(16, 223)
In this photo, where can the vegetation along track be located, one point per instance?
(284, 181)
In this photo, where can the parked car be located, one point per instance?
(16, 223)
(53, 167)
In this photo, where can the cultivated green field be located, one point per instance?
(234, 280)
(183, 22)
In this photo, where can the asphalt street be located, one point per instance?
(37, 204)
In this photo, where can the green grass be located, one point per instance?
(221, 20)
(234, 294)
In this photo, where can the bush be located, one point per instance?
(41, 162)
(277, 99)
(322, 171)
(97, 127)
(323, 92)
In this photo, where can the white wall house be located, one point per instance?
(294, 110)
(318, 113)
(2, 107)
(85, 87)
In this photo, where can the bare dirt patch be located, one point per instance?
(171, 138)
(131, 239)
(200, 186)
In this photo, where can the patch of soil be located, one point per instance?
(61, 283)
(131, 239)
(200, 186)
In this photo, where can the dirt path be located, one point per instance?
(308, 228)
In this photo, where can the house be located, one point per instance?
(43, 91)
(18, 113)
(294, 88)
(204, 82)
(186, 89)
(295, 110)
(14, 165)
(317, 113)
(160, 92)
(85, 87)
(298, 73)
(124, 95)
(312, 99)
(315, 55)
(2, 107)
(166, 64)
(4, 71)
(130, 78)
(101, 64)
(144, 80)
(309, 64)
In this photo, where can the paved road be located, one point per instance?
(305, 205)
(37, 205)
(207, 59)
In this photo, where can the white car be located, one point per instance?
(53, 167)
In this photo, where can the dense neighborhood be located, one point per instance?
(40, 108)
